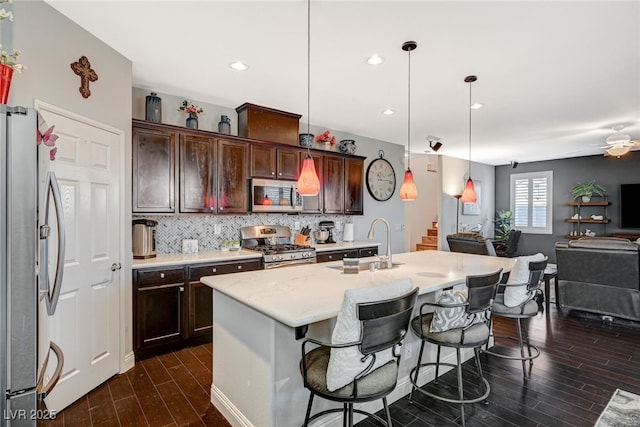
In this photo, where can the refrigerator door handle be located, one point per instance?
(51, 294)
(43, 390)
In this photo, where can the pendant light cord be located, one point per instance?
(308, 70)
(470, 83)
(409, 116)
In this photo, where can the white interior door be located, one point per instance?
(86, 324)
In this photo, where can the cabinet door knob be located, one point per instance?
(330, 256)
(280, 174)
(273, 173)
(162, 275)
(220, 208)
(214, 270)
(181, 288)
(239, 267)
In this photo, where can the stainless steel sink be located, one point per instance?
(364, 266)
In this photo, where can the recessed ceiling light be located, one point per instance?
(238, 66)
(375, 60)
(476, 106)
(388, 112)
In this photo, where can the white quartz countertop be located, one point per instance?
(178, 259)
(326, 247)
(310, 293)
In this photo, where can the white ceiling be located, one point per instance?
(554, 76)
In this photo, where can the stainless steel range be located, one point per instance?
(274, 241)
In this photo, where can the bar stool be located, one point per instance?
(467, 327)
(528, 307)
(373, 371)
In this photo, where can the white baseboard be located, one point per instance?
(128, 362)
(228, 409)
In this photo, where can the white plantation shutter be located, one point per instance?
(531, 197)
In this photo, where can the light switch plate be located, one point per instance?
(217, 228)
(189, 246)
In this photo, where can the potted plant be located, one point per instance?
(502, 223)
(587, 190)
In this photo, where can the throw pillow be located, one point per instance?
(445, 318)
(344, 363)
(516, 295)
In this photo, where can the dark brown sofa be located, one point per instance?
(599, 275)
(470, 243)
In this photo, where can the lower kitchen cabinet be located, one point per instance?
(328, 256)
(172, 308)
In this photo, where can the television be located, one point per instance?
(629, 213)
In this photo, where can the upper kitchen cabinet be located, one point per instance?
(333, 184)
(268, 161)
(153, 178)
(354, 176)
(233, 176)
(197, 174)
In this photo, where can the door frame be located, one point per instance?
(126, 360)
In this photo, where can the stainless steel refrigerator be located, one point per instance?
(25, 285)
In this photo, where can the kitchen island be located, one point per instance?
(257, 315)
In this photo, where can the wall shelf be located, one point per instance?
(580, 208)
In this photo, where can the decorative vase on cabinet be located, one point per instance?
(153, 108)
(224, 126)
(192, 121)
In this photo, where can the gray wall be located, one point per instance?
(50, 43)
(609, 172)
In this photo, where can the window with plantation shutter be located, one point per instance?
(531, 197)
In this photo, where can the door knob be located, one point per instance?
(116, 266)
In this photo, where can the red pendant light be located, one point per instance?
(308, 181)
(469, 194)
(408, 190)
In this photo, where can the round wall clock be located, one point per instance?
(381, 178)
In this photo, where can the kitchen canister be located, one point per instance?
(347, 233)
(153, 108)
(224, 126)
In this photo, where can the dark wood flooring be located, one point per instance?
(582, 363)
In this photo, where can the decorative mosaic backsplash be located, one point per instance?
(172, 230)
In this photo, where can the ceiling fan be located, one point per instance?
(619, 144)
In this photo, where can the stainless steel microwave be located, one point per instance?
(272, 195)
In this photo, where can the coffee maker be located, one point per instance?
(327, 226)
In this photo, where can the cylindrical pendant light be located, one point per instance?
(308, 181)
(408, 190)
(469, 193)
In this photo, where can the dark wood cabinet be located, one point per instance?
(333, 184)
(197, 174)
(233, 176)
(159, 307)
(288, 163)
(153, 178)
(172, 308)
(313, 204)
(274, 162)
(206, 172)
(337, 255)
(353, 190)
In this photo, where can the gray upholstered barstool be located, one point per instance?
(522, 305)
(470, 329)
(383, 326)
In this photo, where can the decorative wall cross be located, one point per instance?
(83, 69)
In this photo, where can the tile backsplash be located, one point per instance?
(172, 229)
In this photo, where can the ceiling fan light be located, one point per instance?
(469, 194)
(618, 139)
(408, 190)
(618, 150)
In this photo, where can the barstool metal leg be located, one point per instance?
(415, 378)
(306, 418)
(526, 340)
(435, 380)
(386, 411)
(460, 389)
(350, 414)
(524, 368)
